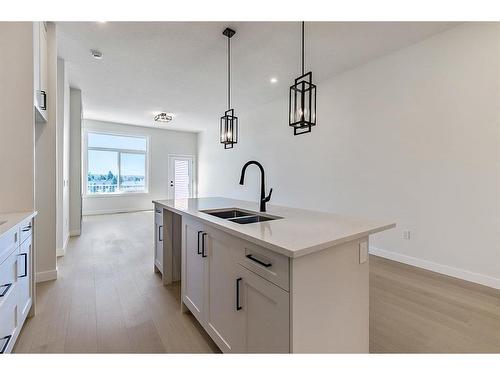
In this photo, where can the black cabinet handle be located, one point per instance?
(44, 97)
(238, 306)
(27, 229)
(25, 264)
(199, 232)
(4, 347)
(251, 257)
(158, 211)
(7, 287)
(160, 230)
(203, 254)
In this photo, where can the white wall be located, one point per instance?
(413, 137)
(45, 172)
(16, 117)
(75, 193)
(62, 158)
(161, 144)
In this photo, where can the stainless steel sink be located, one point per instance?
(252, 219)
(228, 213)
(240, 216)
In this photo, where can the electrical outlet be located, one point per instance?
(406, 234)
(363, 252)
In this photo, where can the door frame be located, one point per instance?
(194, 174)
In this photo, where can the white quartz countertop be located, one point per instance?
(10, 220)
(298, 233)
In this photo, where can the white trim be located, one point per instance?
(75, 232)
(115, 211)
(459, 273)
(46, 276)
(62, 252)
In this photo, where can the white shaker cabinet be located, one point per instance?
(159, 239)
(195, 266)
(264, 312)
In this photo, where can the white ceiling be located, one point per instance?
(180, 67)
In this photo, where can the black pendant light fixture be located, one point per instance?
(229, 122)
(302, 104)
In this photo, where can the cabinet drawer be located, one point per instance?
(8, 242)
(8, 277)
(26, 229)
(268, 264)
(8, 321)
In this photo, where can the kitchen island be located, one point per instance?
(288, 280)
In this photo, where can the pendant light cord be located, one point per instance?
(303, 47)
(228, 73)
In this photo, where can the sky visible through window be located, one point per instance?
(115, 163)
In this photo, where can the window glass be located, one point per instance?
(132, 172)
(116, 141)
(102, 176)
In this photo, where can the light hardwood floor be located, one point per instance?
(107, 299)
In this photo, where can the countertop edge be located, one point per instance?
(284, 251)
(21, 216)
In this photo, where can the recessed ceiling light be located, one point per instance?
(96, 54)
(163, 117)
(102, 21)
(273, 80)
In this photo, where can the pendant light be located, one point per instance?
(302, 104)
(229, 122)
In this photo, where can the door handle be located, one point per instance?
(203, 254)
(199, 232)
(7, 287)
(238, 306)
(160, 230)
(25, 264)
(7, 340)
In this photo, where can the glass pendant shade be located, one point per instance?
(229, 129)
(302, 104)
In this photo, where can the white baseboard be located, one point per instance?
(46, 276)
(473, 277)
(115, 211)
(75, 232)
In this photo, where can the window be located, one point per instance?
(116, 164)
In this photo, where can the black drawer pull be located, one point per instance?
(251, 257)
(199, 232)
(160, 230)
(238, 306)
(43, 106)
(203, 254)
(7, 287)
(158, 211)
(27, 229)
(7, 338)
(25, 264)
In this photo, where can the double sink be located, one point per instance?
(240, 216)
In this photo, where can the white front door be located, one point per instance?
(180, 177)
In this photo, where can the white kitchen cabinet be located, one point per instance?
(40, 74)
(195, 267)
(17, 287)
(223, 319)
(24, 278)
(264, 314)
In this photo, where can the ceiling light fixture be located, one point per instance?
(96, 54)
(229, 122)
(163, 117)
(273, 80)
(302, 104)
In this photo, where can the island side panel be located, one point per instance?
(168, 231)
(329, 307)
(176, 246)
